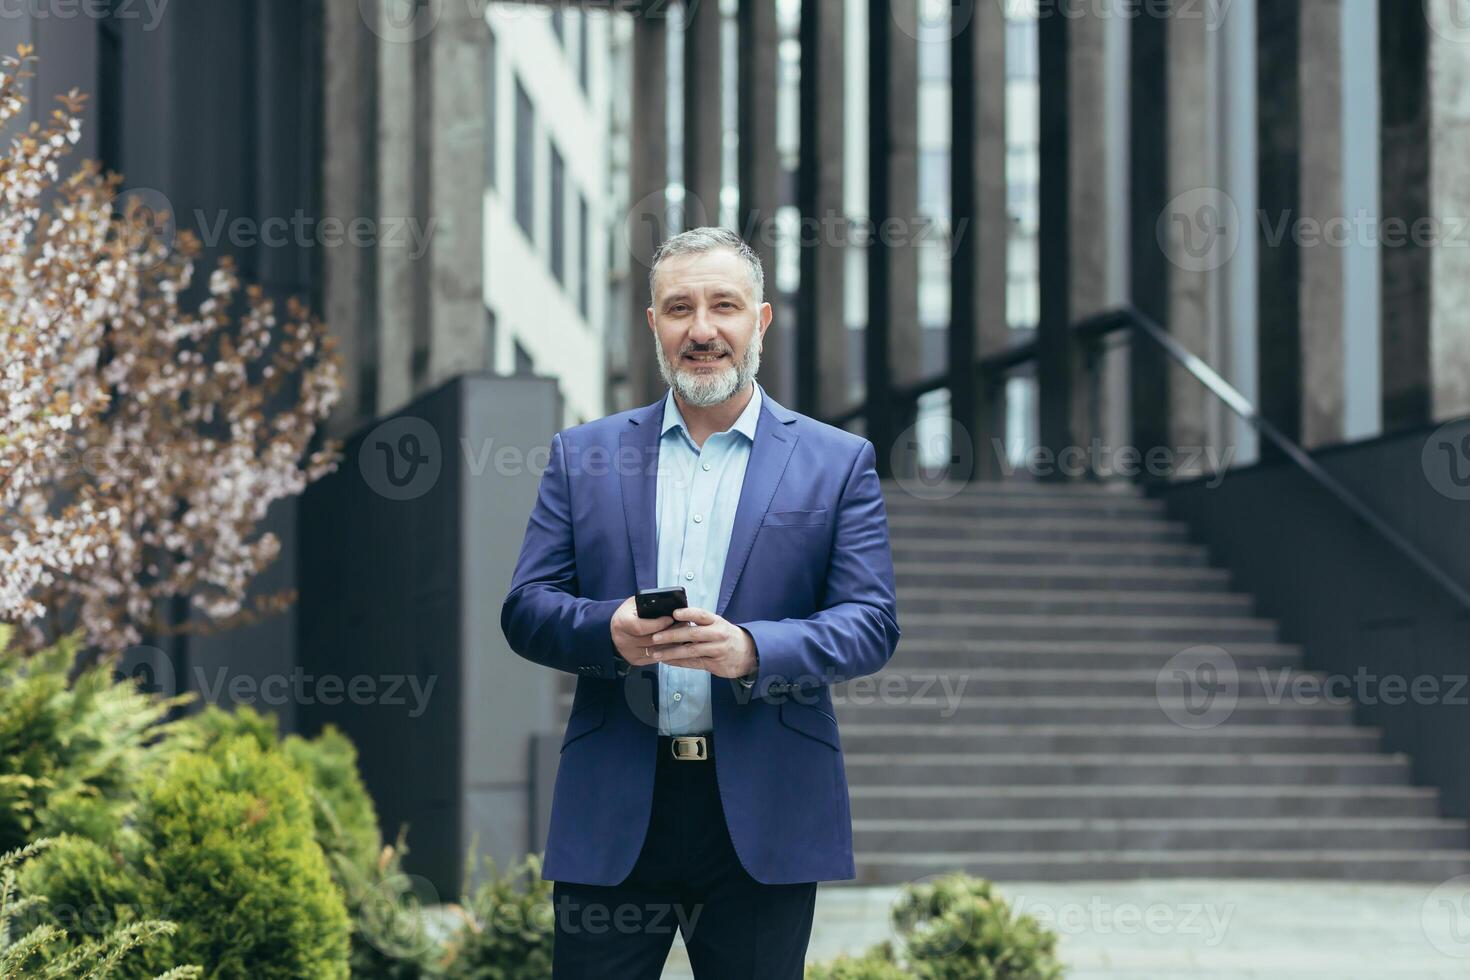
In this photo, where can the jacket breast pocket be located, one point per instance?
(583, 721)
(795, 518)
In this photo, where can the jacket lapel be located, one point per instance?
(774, 442)
(637, 463)
(638, 466)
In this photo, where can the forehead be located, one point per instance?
(719, 268)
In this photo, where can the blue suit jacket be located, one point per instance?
(809, 574)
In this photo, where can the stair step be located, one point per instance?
(1023, 626)
(1118, 802)
(1164, 771)
(1024, 488)
(980, 575)
(1149, 834)
(935, 706)
(901, 679)
(980, 654)
(1105, 554)
(1356, 865)
(924, 602)
(1141, 739)
(905, 527)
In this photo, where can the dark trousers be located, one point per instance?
(687, 878)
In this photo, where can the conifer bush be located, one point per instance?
(43, 952)
(223, 844)
(72, 752)
(954, 927)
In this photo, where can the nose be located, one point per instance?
(702, 331)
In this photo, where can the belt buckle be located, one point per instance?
(690, 748)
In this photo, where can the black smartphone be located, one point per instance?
(653, 603)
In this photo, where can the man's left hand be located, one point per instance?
(702, 640)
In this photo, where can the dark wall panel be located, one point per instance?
(1356, 604)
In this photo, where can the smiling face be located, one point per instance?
(707, 325)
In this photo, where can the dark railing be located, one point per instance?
(1090, 333)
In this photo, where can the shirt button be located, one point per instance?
(705, 467)
(678, 696)
(688, 576)
(698, 519)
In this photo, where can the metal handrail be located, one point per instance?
(989, 366)
(1096, 327)
(1093, 328)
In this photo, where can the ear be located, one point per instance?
(766, 314)
(651, 325)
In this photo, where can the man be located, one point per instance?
(701, 784)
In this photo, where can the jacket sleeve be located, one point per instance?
(856, 632)
(543, 617)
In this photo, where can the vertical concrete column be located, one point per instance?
(821, 327)
(1327, 234)
(759, 165)
(703, 124)
(454, 267)
(1280, 87)
(1192, 167)
(1092, 129)
(349, 57)
(648, 178)
(978, 323)
(1055, 363)
(892, 336)
(394, 169)
(1149, 104)
(1425, 79)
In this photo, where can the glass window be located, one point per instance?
(525, 163)
(558, 217)
(584, 258)
(490, 90)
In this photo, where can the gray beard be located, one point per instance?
(714, 387)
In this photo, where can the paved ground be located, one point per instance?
(1212, 929)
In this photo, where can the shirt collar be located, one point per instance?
(745, 424)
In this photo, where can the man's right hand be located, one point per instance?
(630, 635)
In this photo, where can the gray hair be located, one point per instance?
(697, 241)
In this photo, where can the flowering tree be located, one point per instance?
(141, 442)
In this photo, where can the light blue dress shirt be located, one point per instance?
(698, 490)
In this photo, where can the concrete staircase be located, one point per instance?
(1023, 732)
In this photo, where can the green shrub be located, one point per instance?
(223, 845)
(954, 928)
(390, 938)
(876, 964)
(509, 929)
(71, 752)
(132, 796)
(228, 837)
(958, 928)
(45, 951)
